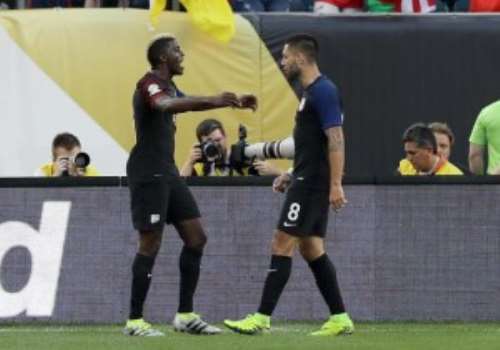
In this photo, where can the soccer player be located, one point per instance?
(316, 184)
(158, 194)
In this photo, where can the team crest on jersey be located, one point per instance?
(302, 104)
(154, 218)
(153, 89)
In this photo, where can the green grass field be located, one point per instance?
(289, 336)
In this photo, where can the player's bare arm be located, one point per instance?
(195, 103)
(336, 155)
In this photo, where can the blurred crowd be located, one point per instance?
(321, 7)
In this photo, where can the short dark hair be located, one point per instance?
(443, 128)
(65, 140)
(207, 126)
(157, 48)
(422, 135)
(306, 44)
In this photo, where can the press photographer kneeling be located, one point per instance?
(211, 156)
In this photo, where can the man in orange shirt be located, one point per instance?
(422, 157)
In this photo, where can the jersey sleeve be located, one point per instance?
(151, 90)
(326, 102)
(478, 133)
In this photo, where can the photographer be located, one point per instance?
(211, 155)
(67, 159)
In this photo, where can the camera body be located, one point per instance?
(210, 152)
(81, 160)
(238, 159)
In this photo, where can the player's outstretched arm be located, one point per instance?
(200, 103)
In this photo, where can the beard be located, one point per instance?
(293, 73)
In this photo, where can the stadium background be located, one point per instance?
(392, 71)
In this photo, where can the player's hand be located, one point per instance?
(248, 101)
(281, 183)
(337, 197)
(227, 99)
(195, 154)
(266, 168)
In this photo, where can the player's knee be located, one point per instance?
(149, 249)
(310, 252)
(149, 244)
(197, 242)
(280, 247)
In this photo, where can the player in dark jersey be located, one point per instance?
(158, 193)
(314, 186)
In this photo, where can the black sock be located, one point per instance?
(141, 279)
(326, 279)
(189, 265)
(277, 277)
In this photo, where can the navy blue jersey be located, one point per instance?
(319, 109)
(154, 150)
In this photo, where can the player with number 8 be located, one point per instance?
(314, 186)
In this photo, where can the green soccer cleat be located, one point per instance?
(141, 328)
(340, 324)
(252, 324)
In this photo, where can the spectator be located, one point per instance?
(302, 5)
(486, 135)
(379, 6)
(453, 6)
(211, 133)
(422, 156)
(484, 5)
(404, 6)
(109, 3)
(331, 7)
(444, 138)
(7, 4)
(260, 5)
(54, 3)
(65, 147)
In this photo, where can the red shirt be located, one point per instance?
(346, 3)
(484, 5)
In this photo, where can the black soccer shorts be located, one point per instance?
(160, 200)
(305, 213)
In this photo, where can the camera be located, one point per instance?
(238, 160)
(81, 160)
(243, 154)
(279, 149)
(210, 152)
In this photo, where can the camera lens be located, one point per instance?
(82, 159)
(211, 150)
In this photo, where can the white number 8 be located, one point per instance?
(293, 213)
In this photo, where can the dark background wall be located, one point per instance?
(396, 70)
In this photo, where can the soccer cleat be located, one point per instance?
(192, 323)
(141, 328)
(340, 324)
(252, 324)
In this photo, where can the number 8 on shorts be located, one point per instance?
(293, 212)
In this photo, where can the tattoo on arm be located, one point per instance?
(335, 139)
